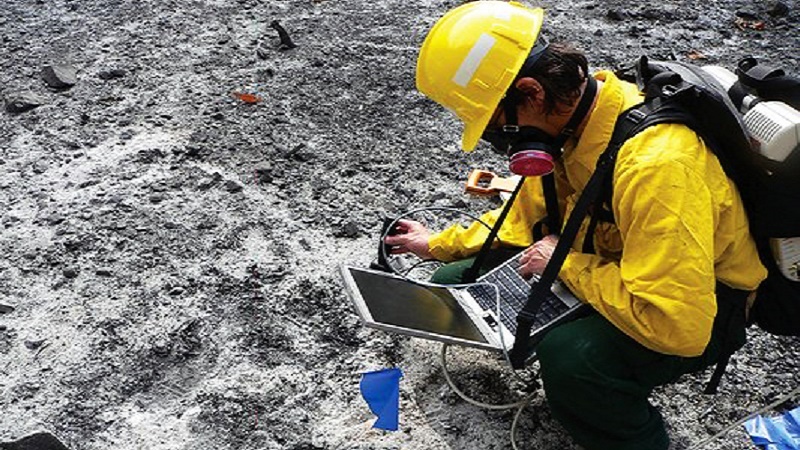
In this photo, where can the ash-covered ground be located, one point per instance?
(171, 250)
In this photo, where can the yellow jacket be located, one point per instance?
(680, 227)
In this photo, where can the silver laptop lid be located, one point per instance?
(391, 303)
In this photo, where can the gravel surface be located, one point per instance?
(178, 187)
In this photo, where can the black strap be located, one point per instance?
(630, 122)
(548, 181)
(471, 274)
(553, 218)
(729, 322)
(522, 344)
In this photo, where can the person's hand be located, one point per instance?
(412, 237)
(535, 258)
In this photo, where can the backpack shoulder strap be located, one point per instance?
(652, 112)
(633, 121)
(769, 83)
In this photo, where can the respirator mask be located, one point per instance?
(531, 151)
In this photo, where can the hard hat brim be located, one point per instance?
(473, 131)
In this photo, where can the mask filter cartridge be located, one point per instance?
(531, 163)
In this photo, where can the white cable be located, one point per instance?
(465, 397)
(418, 210)
(522, 404)
(527, 401)
(735, 424)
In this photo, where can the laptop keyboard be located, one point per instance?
(513, 296)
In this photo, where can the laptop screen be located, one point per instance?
(401, 303)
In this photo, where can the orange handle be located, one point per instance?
(478, 179)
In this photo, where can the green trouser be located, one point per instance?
(452, 273)
(598, 380)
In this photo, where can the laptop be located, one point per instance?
(462, 316)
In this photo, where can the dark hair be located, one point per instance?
(561, 70)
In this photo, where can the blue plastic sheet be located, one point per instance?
(776, 433)
(381, 390)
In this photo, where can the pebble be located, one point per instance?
(33, 344)
(70, 273)
(112, 74)
(350, 229)
(615, 14)
(176, 291)
(60, 76)
(779, 9)
(233, 187)
(23, 101)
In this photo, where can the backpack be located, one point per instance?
(770, 189)
(682, 93)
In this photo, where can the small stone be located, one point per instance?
(23, 101)
(70, 273)
(2, 328)
(262, 53)
(54, 219)
(62, 76)
(233, 187)
(350, 229)
(615, 14)
(779, 9)
(112, 74)
(157, 198)
(162, 347)
(264, 175)
(177, 290)
(103, 272)
(33, 344)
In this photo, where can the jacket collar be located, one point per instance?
(615, 96)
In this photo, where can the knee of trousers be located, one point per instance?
(565, 358)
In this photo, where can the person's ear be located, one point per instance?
(532, 89)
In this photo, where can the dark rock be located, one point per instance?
(103, 272)
(162, 347)
(177, 290)
(54, 219)
(262, 53)
(157, 198)
(36, 441)
(264, 175)
(62, 76)
(233, 187)
(350, 229)
(23, 101)
(779, 9)
(70, 273)
(206, 183)
(616, 15)
(33, 344)
(112, 74)
(747, 14)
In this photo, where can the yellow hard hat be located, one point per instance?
(472, 55)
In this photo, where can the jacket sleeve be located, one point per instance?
(662, 291)
(459, 242)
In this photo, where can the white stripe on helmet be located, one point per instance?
(473, 60)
